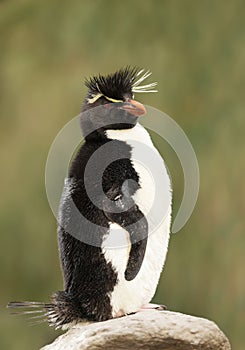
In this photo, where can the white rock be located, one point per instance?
(145, 330)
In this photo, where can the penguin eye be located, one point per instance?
(94, 98)
(112, 99)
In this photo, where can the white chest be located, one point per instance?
(129, 296)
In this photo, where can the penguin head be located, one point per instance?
(110, 102)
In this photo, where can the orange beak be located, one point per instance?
(133, 107)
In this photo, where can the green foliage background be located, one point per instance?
(196, 51)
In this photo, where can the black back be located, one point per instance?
(88, 277)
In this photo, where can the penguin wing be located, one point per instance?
(134, 222)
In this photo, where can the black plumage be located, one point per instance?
(116, 85)
(88, 277)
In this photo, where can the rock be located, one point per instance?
(151, 329)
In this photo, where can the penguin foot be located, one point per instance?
(120, 313)
(153, 307)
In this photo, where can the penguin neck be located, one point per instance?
(137, 133)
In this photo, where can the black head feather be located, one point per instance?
(115, 85)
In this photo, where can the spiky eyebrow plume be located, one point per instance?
(115, 86)
(141, 76)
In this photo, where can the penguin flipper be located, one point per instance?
(135, 260)
(135, 223)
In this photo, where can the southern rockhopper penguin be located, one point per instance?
(102, 281)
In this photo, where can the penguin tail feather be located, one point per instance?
(36, 312)
(62, 312)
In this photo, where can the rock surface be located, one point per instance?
(151, 329)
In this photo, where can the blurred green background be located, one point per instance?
(196, 51)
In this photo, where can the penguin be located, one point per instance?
(111, 263)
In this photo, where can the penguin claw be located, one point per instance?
(153, 307)
(161, 307)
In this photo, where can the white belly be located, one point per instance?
(129, 296)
